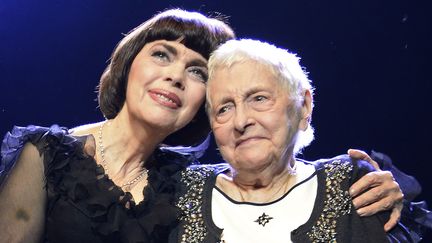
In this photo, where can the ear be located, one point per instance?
(306, 111)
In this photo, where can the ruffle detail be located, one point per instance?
(14, 141)
(74, 177)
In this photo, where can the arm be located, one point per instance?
(376, 191)
(23, 199)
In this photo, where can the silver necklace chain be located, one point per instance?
(105, 164)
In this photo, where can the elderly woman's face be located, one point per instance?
(166, 85)
(252, 117)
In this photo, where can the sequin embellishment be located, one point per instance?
(336, 204)
(191, 204)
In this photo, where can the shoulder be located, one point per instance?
(50, 141)
(20, 135)
(200, 173)
(87, 134)
(195, 201)
(23, 144)
(14, 141)
(342, 167)
(87, 129)
(339, 162)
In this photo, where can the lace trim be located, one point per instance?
(336, 204)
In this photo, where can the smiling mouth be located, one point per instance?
(165, 98)
(247, 140)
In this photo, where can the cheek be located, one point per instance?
(218, 133)
(196, 96)
(134, 93)
(143, 72)
(222, 136)
(225, 141)
(279, 129)
(226, 151)
(287, 136)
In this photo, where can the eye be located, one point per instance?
(260, 98)
(200, 73)
(161, 55)
(224, 112)
(261, 101)
(224, 109)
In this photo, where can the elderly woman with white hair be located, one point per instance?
(259, 102)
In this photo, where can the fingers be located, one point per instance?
(376, 191)
(394, 217)
(359, 154)
(378, 204)
(371, 202)
(381, 193)
(382, 205)
(372, 179)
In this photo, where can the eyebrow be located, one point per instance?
(170, 48)
(224, 100)
(195, 62)
(248, 93)
(198, 62)
(253, 91)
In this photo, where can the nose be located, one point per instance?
(242, 119)
(175, 74)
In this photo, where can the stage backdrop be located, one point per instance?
(369, 61)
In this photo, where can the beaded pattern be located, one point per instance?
(191, 204)
(336, 204)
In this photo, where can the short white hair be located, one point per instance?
(282, 63)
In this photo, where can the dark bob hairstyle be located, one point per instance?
(197, 32)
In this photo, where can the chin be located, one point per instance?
(252, 162)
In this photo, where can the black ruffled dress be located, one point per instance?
(84, 205)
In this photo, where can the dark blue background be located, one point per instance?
(369, 61)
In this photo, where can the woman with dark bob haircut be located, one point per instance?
(194, 32)
(118, 180)
(113, 181)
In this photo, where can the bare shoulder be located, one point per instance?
(90, 131)
(87, 129)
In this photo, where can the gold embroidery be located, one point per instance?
(336, 204)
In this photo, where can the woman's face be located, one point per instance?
(252, 117)
(166, 85)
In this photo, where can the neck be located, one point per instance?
(127, 144)
(261, 187)
(265, 176)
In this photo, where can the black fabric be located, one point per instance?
(84, 205)
(415, 215)
(410, 187)
(350, 228)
